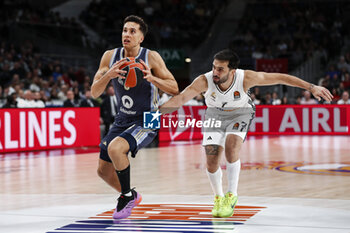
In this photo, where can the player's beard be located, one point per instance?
(221, 80)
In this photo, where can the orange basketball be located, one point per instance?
(134, 74)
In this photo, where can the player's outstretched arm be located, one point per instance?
(104, 74)
(252, 78)
(198, 86)
(161, 77)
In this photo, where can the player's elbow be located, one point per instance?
(94, 93)
(94, 96)
(174, 90)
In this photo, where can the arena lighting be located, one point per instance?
(188, 60)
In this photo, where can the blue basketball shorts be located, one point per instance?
(135, 135)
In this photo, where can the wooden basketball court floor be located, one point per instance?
(287, 184)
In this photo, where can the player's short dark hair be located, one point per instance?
(139, 21)
(230, 56)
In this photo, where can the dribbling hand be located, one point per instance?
(115, 71)
(147, 74)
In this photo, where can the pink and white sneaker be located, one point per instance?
(126, 204)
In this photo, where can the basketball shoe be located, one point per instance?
(126, 204)
(228, 205)
(217, 205)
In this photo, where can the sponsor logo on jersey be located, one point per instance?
(127, 101)
(236, 95)
(213, 96)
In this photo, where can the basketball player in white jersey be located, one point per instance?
(226, 95)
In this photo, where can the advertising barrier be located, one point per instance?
(52, 128)
(269, 120)
(48, 128)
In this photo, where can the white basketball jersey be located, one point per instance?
(233, 98)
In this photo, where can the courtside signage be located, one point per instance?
(301, 119)
(269, 120)
(48, 128)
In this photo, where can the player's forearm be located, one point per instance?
(295, 82)
(99, 85)
(169, 86)
(172, 105)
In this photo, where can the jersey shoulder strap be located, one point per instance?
(115, 57)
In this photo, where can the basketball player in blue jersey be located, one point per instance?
(226, 95)
(127, 134)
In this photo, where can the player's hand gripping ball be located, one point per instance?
(134, 74)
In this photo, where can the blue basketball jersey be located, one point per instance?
(132, 102)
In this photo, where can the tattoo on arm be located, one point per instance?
(103, 72)
(212, 150)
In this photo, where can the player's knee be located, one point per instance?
(118, 147)
(211, 162)
(232, 155)
(212, 165)
(231, 152)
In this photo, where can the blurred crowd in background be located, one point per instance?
(292, 29)
(25, 77)
(172, 23)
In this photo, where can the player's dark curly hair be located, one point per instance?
(139, 21)
(230, 56)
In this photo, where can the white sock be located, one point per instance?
(215, 180)
(233, 170)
